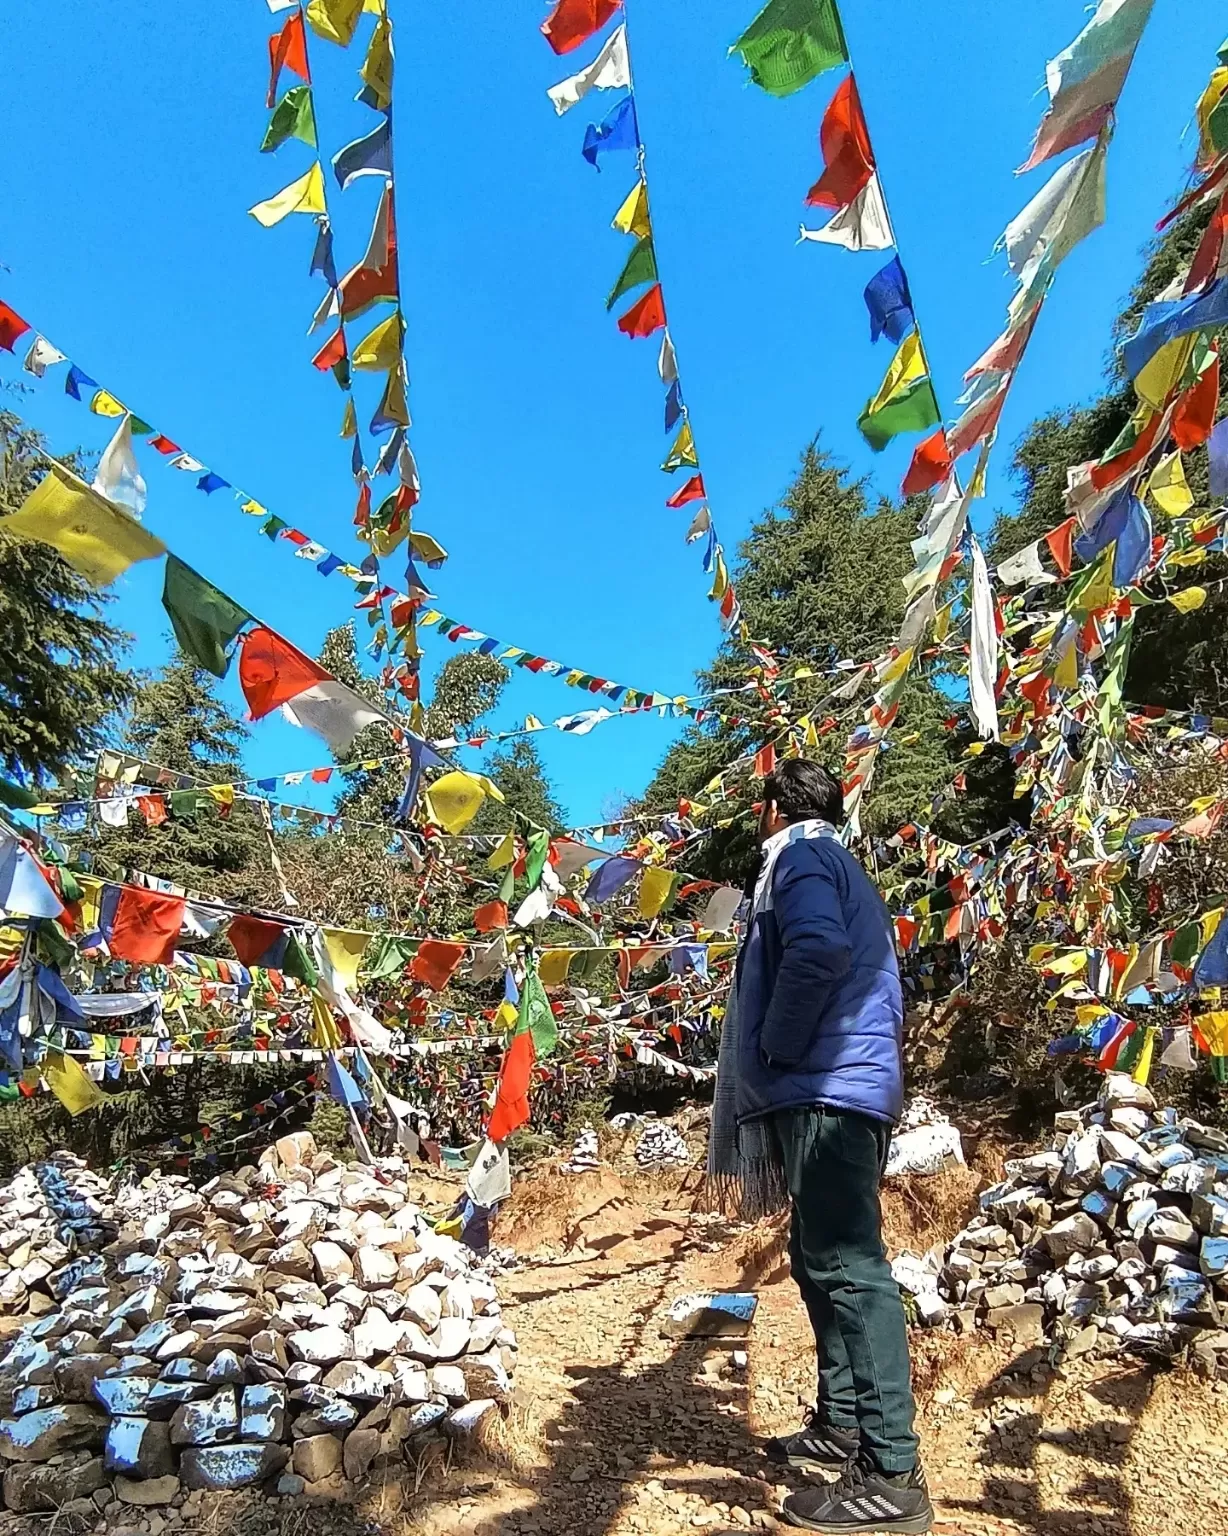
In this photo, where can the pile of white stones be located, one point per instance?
(289, 1326)
(661, 1146)
(1116, 1237)
(585, 1155)
(46, 1212)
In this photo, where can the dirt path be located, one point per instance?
(617, 1430)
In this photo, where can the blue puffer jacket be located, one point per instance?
(820, 1011)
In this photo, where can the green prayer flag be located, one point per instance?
(792, 42)
(272, 527)
(204, 619)
(507, 888)
(1217, 127)
(914, 409)
(297, 962)
(535, 1016)
(388, 956)
(641, 267)
(185, 803)
(1186, 943)
(139, 427)
(17, 798)
(293, 117)
(537, 850)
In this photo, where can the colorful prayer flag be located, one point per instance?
(571, 21)
(334, 20)
(905, 402)
(369, 156)
(682, 453)
(204, 619)
(12, 328)
(645, 316)
(890, 303)
(640, 267)
(293, 118)
(96, 538)
(287, 50)
(306, 195)
(618, 130)
(792, 42)
(632, 216)
(609, 71)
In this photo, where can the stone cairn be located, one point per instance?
(1116, 1237)
(290, 1326)
(661, 1146)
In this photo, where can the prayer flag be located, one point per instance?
(287, 50)
(391, 412)
(645, 316)
(1194, 416)
(104, 403)
(632, 217)
(1067, 208)
(1169, 488)
(330, 354)
(693, 490)
(609, 71)
(334, 20)
(861, 226)
(369, 156)
(1085, 79)
(96, 538)
(905, 402)
(334, 711)
(375, 277)
(455, 799)
(435, 962)
(792, 42)
(41, 356)
(12, 327)
(618, 130)
(204, 619)
(345, 948)
(657, 890)
(377, 68)
(76, 379)
(847, 157)
(983, 662)
(306, 195)
(25, 890)
(380, 349)
(272, 671)
(571, 21)
(890, 303)
(118, 476)
(1217, 453)
(145, 926)
(931, 464)
(640, 267)
(293, 118)
(70, 1082)
(682, 454)
(1167, 319)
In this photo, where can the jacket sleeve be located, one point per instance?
(815, 955)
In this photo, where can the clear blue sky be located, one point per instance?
(131, 140)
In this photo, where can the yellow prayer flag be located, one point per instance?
(1069, 964)
(1159, 377)
(1188, 556)
(898, 665)
(632, 218)
(334, 20)
(376, 71)
(908, 367)
(942, 621)
(656, 888)
(1209, 922)
(720, 577)
(380, 349)
(254, 509)
(345, 948)
(1142, 1067)
(553, 966)
(455, 800)
(104, 403)
(325, 1034)
(506, 1017)
(222, 794)
(95, 536)
(1189, 599)
(70, 1083)
(1168, 486)
(426, 548)
(306, 195)
(349, 420)
(1207, 104)
(373, 7)
(91, 902)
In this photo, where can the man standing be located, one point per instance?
(819, 1021)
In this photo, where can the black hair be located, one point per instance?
(804, 790)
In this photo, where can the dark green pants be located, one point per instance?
(833, 1161)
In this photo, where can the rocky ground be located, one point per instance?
(616, 1429)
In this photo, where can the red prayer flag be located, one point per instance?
(331, 353)
(252, 938)
(847, 156)
(974, 426)
(511, 1109)
(288, 50)
(765, 761)
(1109, 473)
(1195, 413)
(646, 315)
(12, 326)
(491, 916)
(164, 445)
(272, 671)
(1060, 540)
(1207, 258)
(146, 926)
(693, 490)
(931, 464)
(571, 21)
(362, 513)
(435, 962)
(153, 808)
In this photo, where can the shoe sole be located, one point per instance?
(915, 1525)
(807, 1463)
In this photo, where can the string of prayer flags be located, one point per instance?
(96, 537)
(792, 42)
(1085, 80)
(849, 183)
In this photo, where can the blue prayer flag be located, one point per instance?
(890, 303)
(618, 131)
(329, 564)
(368, 156)
(209, 482)
(1165, 320)
(76, 380)
(673, 404)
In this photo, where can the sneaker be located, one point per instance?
(816, 1446)
(862, 1499)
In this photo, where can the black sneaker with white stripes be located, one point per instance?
(816, 1447)
(863, 1499)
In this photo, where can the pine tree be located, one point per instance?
(517, 770)
(820, 581)
(178, 722)
(61, 682)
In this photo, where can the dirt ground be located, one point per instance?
(615, 1430)
(618, 1430)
